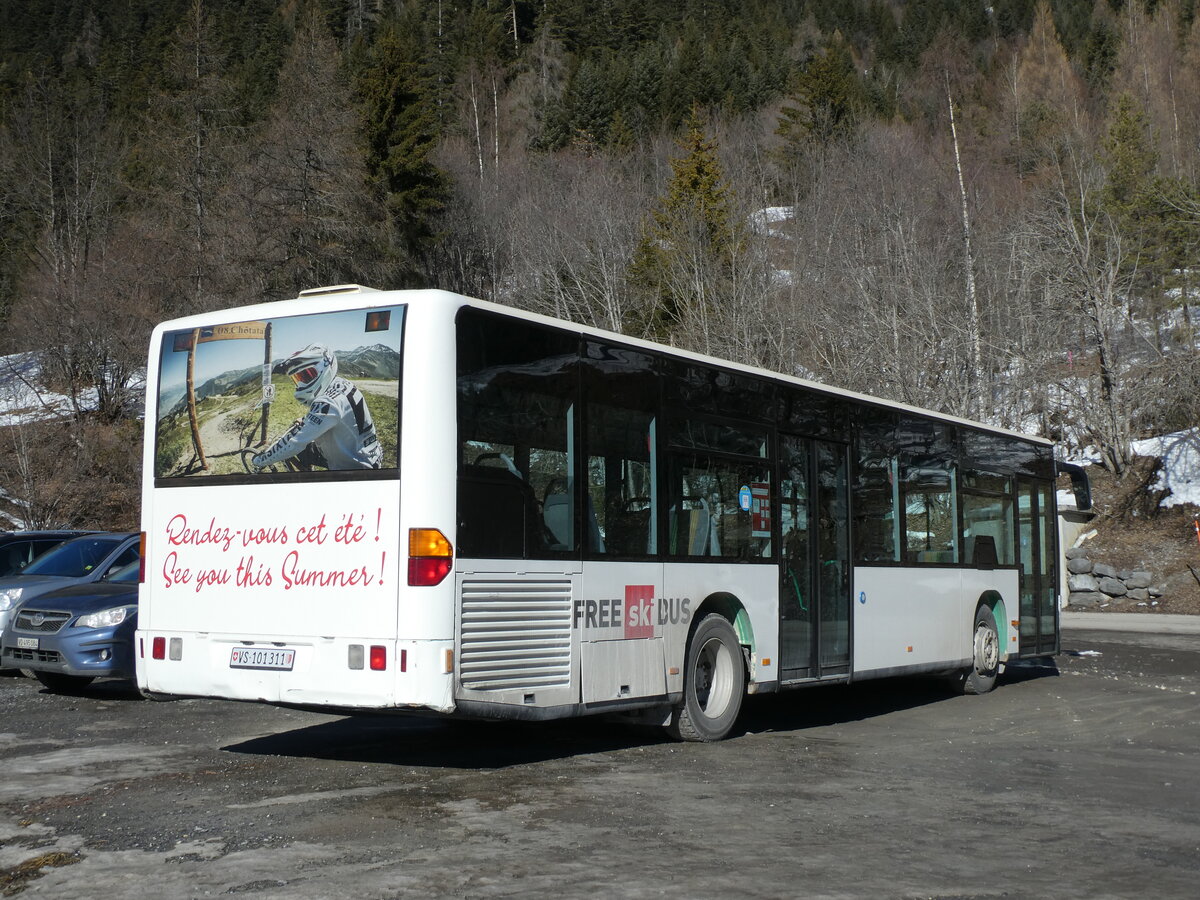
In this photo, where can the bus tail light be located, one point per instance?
(378, 658)
(142, 558)
(430, 557)
(158, 649)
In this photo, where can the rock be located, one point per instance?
(1124, 575)
(1076, 553)
(1139, 594)
(1086, 598)
(1079, 565)
(1112, 587)
(1156, 590)
(1138, 580)
(1085, 583)
(1100, 570)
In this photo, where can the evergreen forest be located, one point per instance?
(989, 208)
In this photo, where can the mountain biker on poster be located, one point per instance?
(337, 432)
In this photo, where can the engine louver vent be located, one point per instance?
(515, 634)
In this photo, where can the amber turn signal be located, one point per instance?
(430, 557)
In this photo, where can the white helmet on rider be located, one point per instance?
(312, 369)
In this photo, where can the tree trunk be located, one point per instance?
(973, 328)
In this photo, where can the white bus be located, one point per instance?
(416, 501)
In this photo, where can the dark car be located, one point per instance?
(81, 560)
(19, 548)
(74, 635)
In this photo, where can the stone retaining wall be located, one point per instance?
(1096, 584)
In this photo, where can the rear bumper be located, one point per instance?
(325, 672)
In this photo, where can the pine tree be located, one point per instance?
(1049, 97)
(826, 102)
(306, 211)
(1101, 48)
(400, 130)
(688, 245)
(189, 135)
(1130, 157)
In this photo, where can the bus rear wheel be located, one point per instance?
(714, 683)
(980, 677)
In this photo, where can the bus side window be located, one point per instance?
(712, 512)
(620, 435)
(930, 516)
(987, 518)
(518, 387)
(927, 453)
(496, 511)
(619, 513)
(876, 488)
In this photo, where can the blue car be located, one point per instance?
(82, 560)
(19, 548)
(76, 634)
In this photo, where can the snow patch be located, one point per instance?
(767, 220)
(23, 398)
(1180, 455)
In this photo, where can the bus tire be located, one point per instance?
(714, 683)
(985, 655)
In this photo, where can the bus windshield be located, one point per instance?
(294, 394)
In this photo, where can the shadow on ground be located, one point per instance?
(481, 745)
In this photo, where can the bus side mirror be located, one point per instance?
(1079, 485)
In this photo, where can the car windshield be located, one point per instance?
(74, 559)
(126, 574)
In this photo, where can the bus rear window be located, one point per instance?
(296, 394)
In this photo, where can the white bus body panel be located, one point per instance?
(314, 567)
(755, 587)
(335, 551)
(543, 635)
(923, 617)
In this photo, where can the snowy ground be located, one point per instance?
(1180, 453)
(23, 397)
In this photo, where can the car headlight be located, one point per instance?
(106, 619)
(9, 598)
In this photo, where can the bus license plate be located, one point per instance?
(27, 643)
(262, 658)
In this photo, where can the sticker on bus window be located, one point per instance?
(760, 510)
(308, 393)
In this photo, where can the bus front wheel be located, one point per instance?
(714, 682)
(985, 655)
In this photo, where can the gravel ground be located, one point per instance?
(1075, 780)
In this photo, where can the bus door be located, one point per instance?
(1039, 569)
(814, 596)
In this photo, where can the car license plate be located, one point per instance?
(262, 658)
(27, 643)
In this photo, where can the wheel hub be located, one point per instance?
(714, 678)
(987, 650)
